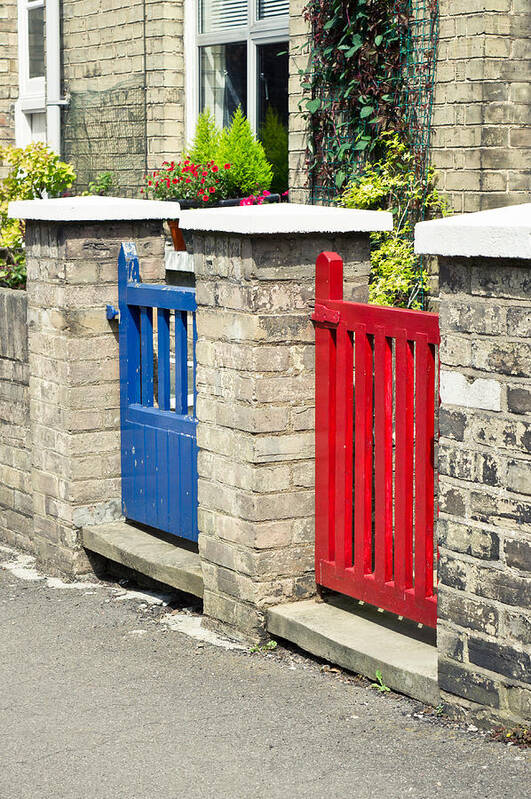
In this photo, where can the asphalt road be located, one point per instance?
(99, 699)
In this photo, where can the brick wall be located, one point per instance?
(15, 455)
(8, 71)
(124, 74)
(298, 33)
(481, 145)
(484, 629)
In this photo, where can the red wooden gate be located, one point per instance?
(376, 383)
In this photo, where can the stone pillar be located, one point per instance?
(72, 250)
(255, 406)
(484, 527)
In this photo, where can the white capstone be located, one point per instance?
(285, 218)
(457, 389)
(497, 233)
(92, 209)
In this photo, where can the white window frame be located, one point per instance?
(32, 91)
(256, 32)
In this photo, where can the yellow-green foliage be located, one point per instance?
(206, 140)
(34, 172)
(250, 171)
(392, 184)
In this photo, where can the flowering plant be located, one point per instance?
(203, 184)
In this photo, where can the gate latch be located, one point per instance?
(111, 312)
(325, 316)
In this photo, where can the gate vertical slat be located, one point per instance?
(383, 456)
(424, 412)
(163, 373)
(181, 362)
(363, 392)
(404, 392)
(343, 450)
(146, 337)
(329, 285)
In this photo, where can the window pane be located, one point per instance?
(36, 41)
(272, 8)
(38, 127)
(273, 109)
(223, 79)
(222, 15)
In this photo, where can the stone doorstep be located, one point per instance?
(360, 639)
(146, 553)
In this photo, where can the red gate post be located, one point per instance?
(328, 286)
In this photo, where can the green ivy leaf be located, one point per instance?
(328, 25)
(366, 111)
(378, 40)
(313, 105)
(340, 179)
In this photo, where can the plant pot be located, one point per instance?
(229, 203)
(186, 205)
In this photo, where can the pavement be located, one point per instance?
(113, 693)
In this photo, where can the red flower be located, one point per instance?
(215, 168)
(205, 198)
(204, 173)
(150, 182)
(188, 180)
(141, 191)
(212, 190)
(227, 166)
(175, 180)
(202, 180)
(266, 193)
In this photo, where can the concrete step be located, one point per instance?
(361, 639)
(150, 554)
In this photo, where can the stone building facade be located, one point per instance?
(8, 71)
(481, 142)
(128, 101)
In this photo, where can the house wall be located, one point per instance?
(298, 128)
(481, 146)
(8, 71)
(16, 507)
(123, 69)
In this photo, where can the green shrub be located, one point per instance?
(398, 276)
(206, 140)
(274, 137)
(103, 185)
(34, 172)
(250, 171)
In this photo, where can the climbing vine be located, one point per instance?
(368, 97)
(370, 71)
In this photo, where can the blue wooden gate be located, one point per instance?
(157, 405)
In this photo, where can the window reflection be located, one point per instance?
(36, 41)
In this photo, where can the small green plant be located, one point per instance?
(206, 140)
(33, 172)
(392, 184)
(379, 684)
(274, 137)
(264, 648)
(250, 171)
(103, 185)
